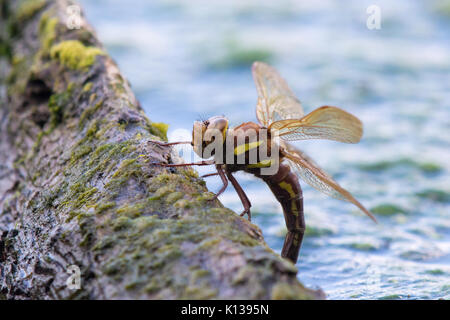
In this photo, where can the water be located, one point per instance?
(191, 59)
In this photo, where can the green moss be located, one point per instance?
(104, 243)
(101, 150)
(115, 267)
(198, 293)
(190, 173)
(169, 252)
(102, 207)
(93, 128)
(123, 167)
(88, 233)
(200, 273)
(128, 149)
(75, 55)
(18, 77)
(77, 187)
(5, 49)
(57, 103)
(209, 243)
(36, 176)
(285, 291)
(101, 159)
(38, 141)
(85, 196)
(87, 87)
(163, 241)
(80, 152)
(173, 197)
(152, 286)
(129, 168)
(72, 215)
(28, 9)
(47, 31)
(164, 178)
(132, 210)
(205, 196)
(387, 209)
(144, 222)
(161, 192)
(80, 215)
(121, 223)
(237, 237)
(182, 203)
(159, 129)
(242, 275)
(435, 195)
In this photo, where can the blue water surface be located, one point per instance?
(191, 59)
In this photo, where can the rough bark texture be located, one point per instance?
(78, 187)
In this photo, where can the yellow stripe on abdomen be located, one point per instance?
(247, 146)
(288, 187)
(261, 164)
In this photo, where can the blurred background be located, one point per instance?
(191, 59)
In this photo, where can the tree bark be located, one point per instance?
(78, 184)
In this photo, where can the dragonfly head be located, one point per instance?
(206, 132)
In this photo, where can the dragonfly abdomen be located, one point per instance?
(286, 188)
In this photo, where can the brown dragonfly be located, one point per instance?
(281, 115)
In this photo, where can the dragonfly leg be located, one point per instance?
(165, 144)
(244, 199)
(209, 175)
(222, 176)
(200, 163)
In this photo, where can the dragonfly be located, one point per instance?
(281, 116)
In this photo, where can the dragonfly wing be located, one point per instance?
(276, 101)
(323, 123)
(313, 175)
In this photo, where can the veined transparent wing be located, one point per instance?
(323, 123)
(313, 175)
(276, 101)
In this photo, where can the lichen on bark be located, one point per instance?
(79, 186)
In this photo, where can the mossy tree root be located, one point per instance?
(77, 184)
